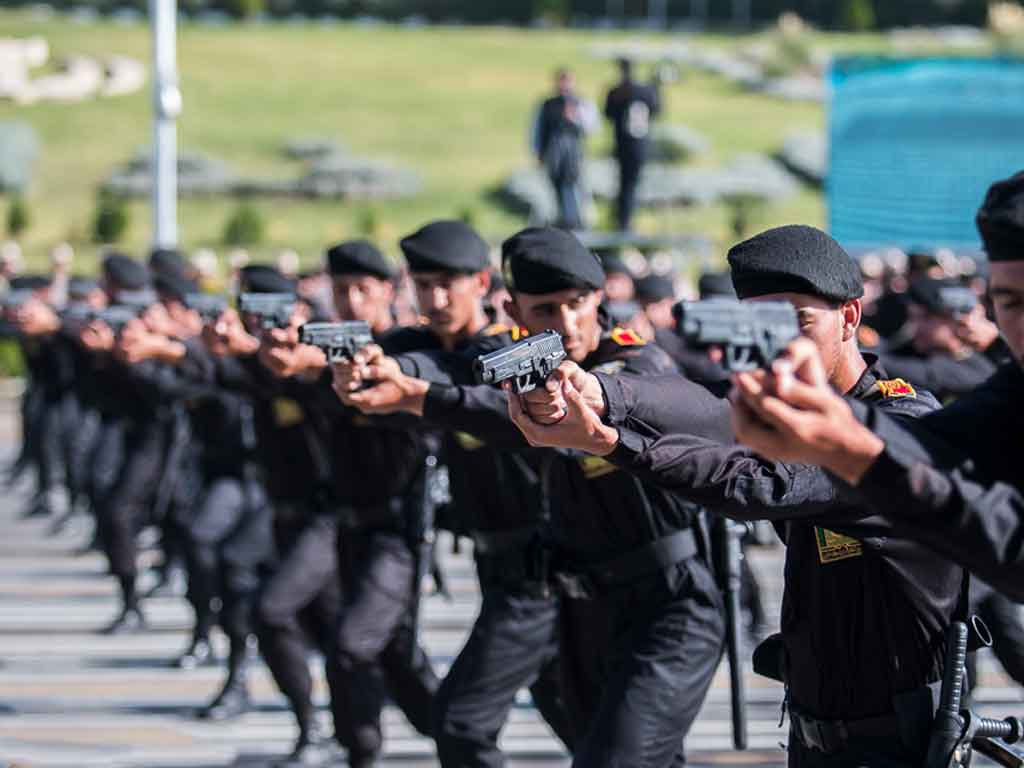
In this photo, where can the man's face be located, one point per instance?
(565, 83)
(660, 313)
(823, 323)
(450, 301)
(362, 297)
(619, 287)
(572, 313)
(934, 334)
(1006, 287)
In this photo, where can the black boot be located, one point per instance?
(131, 618)
(233, 700)
(312, 748)
(198, 654)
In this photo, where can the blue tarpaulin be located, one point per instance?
(915, 143)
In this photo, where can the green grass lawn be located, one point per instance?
(452, 104)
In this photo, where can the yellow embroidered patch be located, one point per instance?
(594, 467)
(626, 337)
(833, 547)
(287, 412)
(494, 329)
(896, 388)
(467, 442)
(518, 332)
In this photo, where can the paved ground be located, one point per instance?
(70, 697)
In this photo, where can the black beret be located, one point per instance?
(173, 286)
(168, 261)
(81, 287)
(547, 260)
(794, 259)
(263, 278)
(713, 284)
(29, 282)
(942, 297)
(446, 246)
(358, 257)
(125, 272)
(1001, 220)
(614, 265)
(655, 288)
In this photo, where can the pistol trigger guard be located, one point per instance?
(525, 383)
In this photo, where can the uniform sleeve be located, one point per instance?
(934, 497)
(480, 410)
(665, 404)
(728, 479)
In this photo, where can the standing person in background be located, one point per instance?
(562, 123)
(630, 107)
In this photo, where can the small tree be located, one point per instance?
(112, 219)
(857, 15)
(244, 227)
(18, 217)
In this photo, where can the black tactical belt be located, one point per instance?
(586, 583)
(496, 542)
(831, 736)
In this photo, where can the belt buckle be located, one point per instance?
(575, 586)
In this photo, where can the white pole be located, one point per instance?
(166, 108)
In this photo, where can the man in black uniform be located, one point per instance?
(952, 482)
(379, 517)
(936, 357)
(864, 612)
(641, 624)
(631, 107)
(497, 500)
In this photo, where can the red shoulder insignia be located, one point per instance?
(494, 329)
(868, 336)
(626, 337)
(896, 388)
(518, 332)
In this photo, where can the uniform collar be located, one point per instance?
(866, 383)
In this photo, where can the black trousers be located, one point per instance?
(298, 605)
(378, 652)
(869, 755)
(79, 432)
(228, 539)
(631, 163)
(124, 508)
(513, 645)
(637, 663)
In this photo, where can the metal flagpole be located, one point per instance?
(166, 108)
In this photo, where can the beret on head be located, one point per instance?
(446, 246)
(794, 259)
(168, 261)
(358, 257)
(547, 260)
(263, 278)
(81, 287)
(1000, 220)
(126, 273)
(30, 282)
(655, 288)
(614, 265)
(713, 284)
(173, 286)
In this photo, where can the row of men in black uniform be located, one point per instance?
(633, 628)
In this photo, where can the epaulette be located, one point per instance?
(895, 388)
(626, 337)
(494, 329)
(518, 332)
(868, 337)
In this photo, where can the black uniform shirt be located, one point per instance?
(597, 511)
(864, 611)
(953, 479)
(943, 375)
(631, 107)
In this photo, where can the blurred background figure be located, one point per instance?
(559, 130)
(61, 259)
(618, 281)
(656, 294)
(631, 107)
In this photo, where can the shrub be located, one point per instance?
(111, 221)
(18, 218)
(245, 226)
(857, 15)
